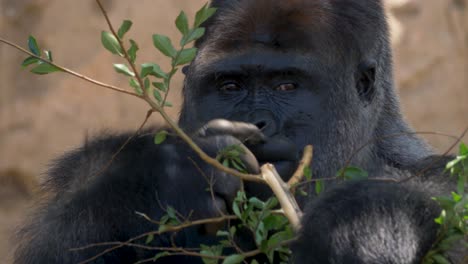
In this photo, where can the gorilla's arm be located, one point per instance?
(375, 221)
(89, 202)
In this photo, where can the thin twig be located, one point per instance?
(118, 245)
(83, 77)
(107, 165)
(428, 167)
(373, 140)
(124, 50)
(299, 174)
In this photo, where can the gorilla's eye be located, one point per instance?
(286, 87)
(230, 87)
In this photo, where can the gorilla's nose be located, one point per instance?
(265, 121)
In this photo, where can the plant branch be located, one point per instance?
(299, 174)
(172, 123)
(127, 57)
(281, 190)
(83, 77)
(117, 245)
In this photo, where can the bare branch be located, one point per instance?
(285, 198)
(305, 161)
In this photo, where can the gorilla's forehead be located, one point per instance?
(319, 26)
(258, 60)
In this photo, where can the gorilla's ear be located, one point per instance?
(185, 69)
(365, 81)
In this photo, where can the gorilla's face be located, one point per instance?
(285, 94)
(307, 78)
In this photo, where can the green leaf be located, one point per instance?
(136, 86)
(48, 54)
(236, 209)
(132, 51)
(124, 28)
(182, 23)
(159, 138)
(147, 83)
(307, 173)
(461, 185)
(164, 45)
(211, 251)
(152, 69)
(157, 95)
(160, 86)
(440, 259)
(171, 212)
(162, 228)
(319, 185)
(33, 47)
(122, 68)
(234, 259)
(222, 233)
(463, 149)
(203, 14)
(111, 43)
(353, 173)
(29, 61)
(168, 104)
(160, 255)
(45, 68)
(194, 34)
(186, 56)
(149, 239)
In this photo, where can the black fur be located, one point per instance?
(302, 72)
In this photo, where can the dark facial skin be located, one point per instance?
(268, 89)
(288, 96)
(273, 91)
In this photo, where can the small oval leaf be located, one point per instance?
(111, 43)
(48, 54)
(157, 95)
(33, 47)
(45, 68)
(234, 259)
(193, 35)
(182, 23)
(152, 69)
(124, 28)
(132, 51)
(136, 86)
(164, 45)
(29, 61)
(203, 14)
(122, 68)
(160, 86)
(160, 137)
(186, 56)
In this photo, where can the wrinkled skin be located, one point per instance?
(272, 77)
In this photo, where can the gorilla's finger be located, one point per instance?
(245, 132)
(213, 144)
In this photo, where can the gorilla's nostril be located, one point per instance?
(261, 125)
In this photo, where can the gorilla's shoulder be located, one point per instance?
(107, 155)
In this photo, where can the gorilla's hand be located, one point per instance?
(277, 149)
(219, 133)
(214, 137)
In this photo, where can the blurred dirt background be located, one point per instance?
(43, 116)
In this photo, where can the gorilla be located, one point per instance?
(272, 76)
